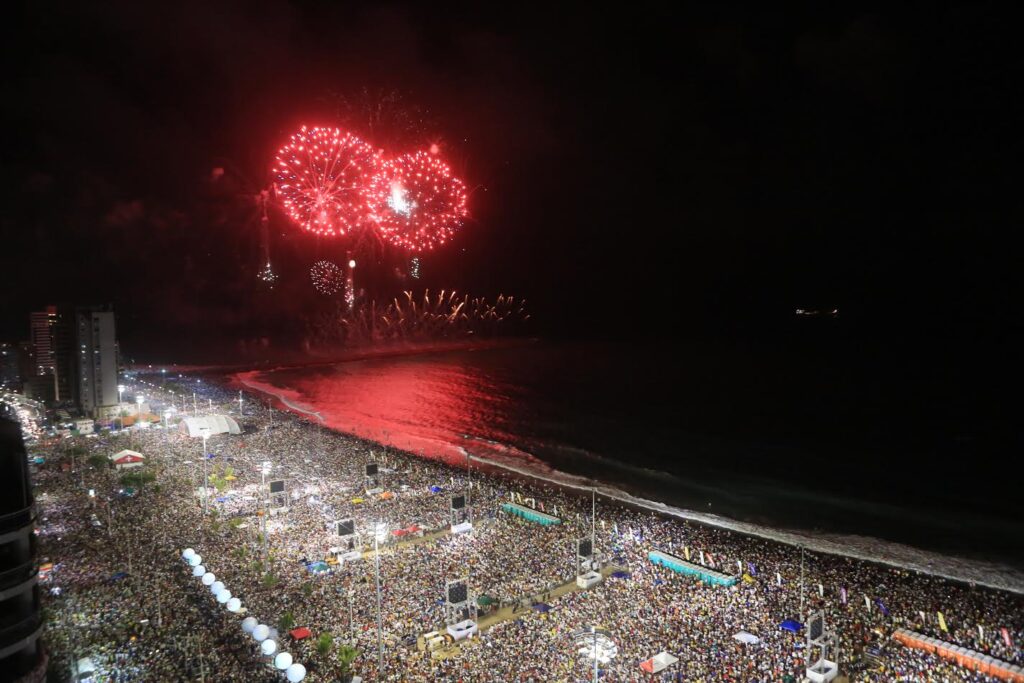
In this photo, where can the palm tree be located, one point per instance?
(346, 655)
(324, 644)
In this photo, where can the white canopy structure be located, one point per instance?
(211, 424)
(658, 662)
(127, 459)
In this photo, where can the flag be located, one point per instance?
(842, 594)
(881, 606)
(556, 514)
(541, 504)
(981, 633)
(739, 567)
(602, 525)
(1006, 638)
(821, 591)
(686, 551)
(702, 557)
(924, 620)
(711, 560)
(615, 527)
(942, 622)
(512, 496)
(752, 568)
(867, 602)
(778, 578)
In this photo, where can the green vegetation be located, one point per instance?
(286, 622)
(324, 644)
(98, 461)
(346, 655)
(137, 479)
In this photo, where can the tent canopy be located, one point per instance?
(215, 424)
(791, 625)
(746, 638)
(130, 456)
(658, 662)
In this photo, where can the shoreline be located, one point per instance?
(576, 485)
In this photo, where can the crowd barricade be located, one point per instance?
(963, 656)
(530, 514)
(678, 564)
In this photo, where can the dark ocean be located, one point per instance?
(882, 452)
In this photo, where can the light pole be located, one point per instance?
(239, 401)
(379, 534)
(120, 390)
(138, 415)
(205, 433)
(265, 469)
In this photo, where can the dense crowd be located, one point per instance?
(120, 593)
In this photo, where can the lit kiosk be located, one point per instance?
(461, 515)
(823, 644)
(278, 500)
(588, 569)
(459, 609)
(372, 482)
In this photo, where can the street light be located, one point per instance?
(205, 433)
(265, 470)
(380, 533)
(595, 643)
(120, 390)
(138, 416)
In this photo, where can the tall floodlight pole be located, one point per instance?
(801, 582)
(239, 401)
(593, 520)
(138, 415)
(120, 390)
(206, 508)
(379, 531)
(264, 471)
(195, 407)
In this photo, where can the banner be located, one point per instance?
(752, 568)
(942, 622)
(702, 557)
(842, 594)
(1006, 638)
(881, 606)
(924, 619)
(778, 578)
(867, 602)
(981, 633)
(821, 591)
(686, 551)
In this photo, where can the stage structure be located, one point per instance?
(278, 496)
(588, 569)
(459, 609)
(823, 649)
(596, 647)
(349, 547)
(372, 478)
(460, 514)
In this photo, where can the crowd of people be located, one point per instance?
(120, 593)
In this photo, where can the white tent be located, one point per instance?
(212, 424)
(746, 638)
(658, 662)
(127, 459)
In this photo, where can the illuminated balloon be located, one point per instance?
(321, 173)
(234, 604)
(295, 673)
(195, 560)
(188, 553)
(199, 570)
(249, 624)
(209, 578)
(260, 633)
(283, 661)
(268, 647)
(224, 596)
(217, 587)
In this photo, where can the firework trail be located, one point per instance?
(427, 318)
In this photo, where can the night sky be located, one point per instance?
(635, 171)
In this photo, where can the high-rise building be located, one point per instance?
(21, 655)
(41, 330)
(95, 383)
(10, 370)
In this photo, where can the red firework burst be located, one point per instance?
(416, 202)
(321, 174)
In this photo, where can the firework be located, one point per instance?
(327, 277)
(267, 275)
(321, 176)
(426, 318)
(416, 202)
